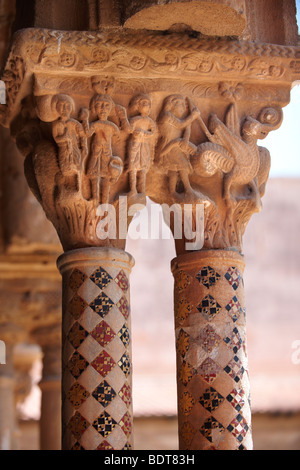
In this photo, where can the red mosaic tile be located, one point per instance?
(103, 363)
(103, 333)
(122, 281)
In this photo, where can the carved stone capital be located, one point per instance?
(226, 173)
(120, 115)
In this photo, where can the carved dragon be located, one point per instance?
(233, 150)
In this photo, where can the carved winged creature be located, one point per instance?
(233, 150)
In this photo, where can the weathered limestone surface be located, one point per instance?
(49, 338)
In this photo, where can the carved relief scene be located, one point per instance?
(127, 118)
(171, 148)
(94, 150)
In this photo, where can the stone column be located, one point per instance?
(97, 364)
(212, 374)
(73, 167)
(49, 339)
(25, 356)
(7, 402)
(50, 385)
(11, 336)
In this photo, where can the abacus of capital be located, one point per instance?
(175, 117)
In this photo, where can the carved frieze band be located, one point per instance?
(147, 55)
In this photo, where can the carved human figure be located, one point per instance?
(69, 135)
(101, 157)
(142, 129)
(174, 147)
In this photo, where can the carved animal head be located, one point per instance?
(255, 129)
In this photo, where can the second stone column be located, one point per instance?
(212, 370)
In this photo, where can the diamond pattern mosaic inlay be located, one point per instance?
(234, 340)
(103, 363)
(235, 369)
(209, 370)
(234, 277)
(77, 395)
(102, 304)
(122, 281)
(77, 335)
(208, 276)
(210, 426)
(125, 364)
(104, 393)
(77, 364)
(124, 308)
(236, 399)
(76, 279)
(209, 307)
(238, 427)
(104, 424)
(125, 394)
(103, 333)
(124, 335)
(234, 308)
(101, 278)
(101, 349)
(211, 399)
(210, 359)
(77, 306)
(209, 339)
(78, 425)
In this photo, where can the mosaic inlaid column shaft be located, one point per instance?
(7, 408)
(212, 373)
(96, 364)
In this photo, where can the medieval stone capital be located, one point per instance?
(117, 115)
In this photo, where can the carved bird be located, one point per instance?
(233, 149)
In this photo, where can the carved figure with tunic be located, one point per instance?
(174, 147)
(140, 154)
(101, 163)
(69, 136)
